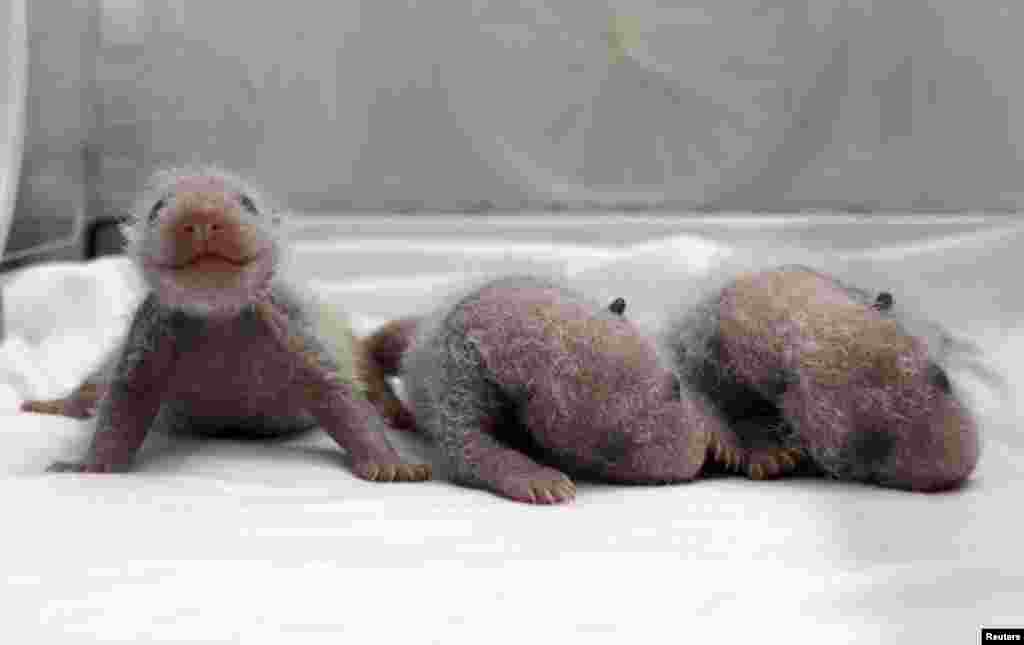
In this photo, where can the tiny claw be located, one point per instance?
(82, 467)
(732, 460)
(265, 312)
(393, 472)
(413, 472)
(544, 495)
(795, 455)
(540, 487)
(311, 358)
(264, 309)
(424, 472)
(43, 407)
(64, 467)
(567, 490)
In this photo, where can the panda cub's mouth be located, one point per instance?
(213, 271)
(215, 262)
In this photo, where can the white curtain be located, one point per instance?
(749, 105)
(14, 51)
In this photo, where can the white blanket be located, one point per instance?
(228, 541)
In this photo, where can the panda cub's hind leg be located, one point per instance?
(511, 473)
(474, 423)
(81, 403)
(487, 447)
(754, 447)
(756, 439)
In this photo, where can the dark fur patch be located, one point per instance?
(761, 429)
(615, 446)
(748, 412)
(736, 400)
(187, 329)
(938, 377)
(677, 388)
(867, 450)
(243, 431)
(774, 388)
(618, 306)
(507, 425)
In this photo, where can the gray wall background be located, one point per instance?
(860, 105)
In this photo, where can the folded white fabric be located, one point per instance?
(60, 318)
(172, 550)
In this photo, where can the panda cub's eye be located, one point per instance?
(157, 207)
(248, 204)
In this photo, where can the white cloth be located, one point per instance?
(222, 541)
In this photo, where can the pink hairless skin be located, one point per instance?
(791, 355)
(525, 383)
(221, 341)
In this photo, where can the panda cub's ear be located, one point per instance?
(938, 377)
(883, 302)
(617, 306)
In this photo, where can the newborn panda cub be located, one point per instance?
(524, 382)
(221, 342)
(800, 364)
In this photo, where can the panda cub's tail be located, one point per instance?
(382, 358)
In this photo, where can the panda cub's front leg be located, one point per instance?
(337, 404)
(133, 397)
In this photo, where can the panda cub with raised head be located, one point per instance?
(221, 340)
